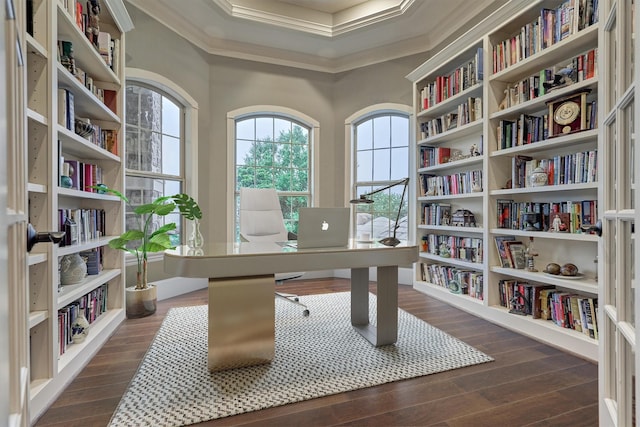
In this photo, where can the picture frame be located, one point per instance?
(516, 251)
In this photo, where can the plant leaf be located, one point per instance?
(167, 227)
(188, 207)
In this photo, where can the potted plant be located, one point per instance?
(141, 299)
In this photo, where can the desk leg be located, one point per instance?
(241, 322)
(386, 331)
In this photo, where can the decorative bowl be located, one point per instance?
(83, 129)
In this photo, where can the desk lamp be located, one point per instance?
(364, 199)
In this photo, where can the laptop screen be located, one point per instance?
(323, 227)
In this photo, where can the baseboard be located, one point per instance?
(175, 286)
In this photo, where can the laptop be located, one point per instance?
(323, 228)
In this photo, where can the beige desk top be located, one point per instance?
(253, 259)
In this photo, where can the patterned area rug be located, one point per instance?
(315, 356)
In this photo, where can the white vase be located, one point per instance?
(79, 329)
(73, 269)
(195, 241)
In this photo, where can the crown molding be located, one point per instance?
(314, 21)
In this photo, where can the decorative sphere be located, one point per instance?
(552, 268)
(569, 270)
(66, 181)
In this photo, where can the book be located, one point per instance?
(502, 250)
(516, 252)
(536, 300)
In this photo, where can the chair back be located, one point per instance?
(261, 217)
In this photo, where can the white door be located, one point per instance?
(616, 207)
(14, 357)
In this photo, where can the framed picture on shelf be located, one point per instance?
(517, 254)
(559, 222)
(502, 249)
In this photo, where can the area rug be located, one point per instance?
(315, 356)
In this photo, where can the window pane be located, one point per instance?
(150, 110)
(132, 105)
(244, 153)
(364, 163)
(300, 134)
(264, 129)
(171, 156)
(282, 130)
(364, 135)
(381, 132)
(170, 118)
(381, 165)
(245, 129)
(399, 131)
(399, 164)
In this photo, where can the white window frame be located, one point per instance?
(190, 149)
(269, 110)
(349, 154)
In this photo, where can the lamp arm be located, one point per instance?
(404, 190)
(404, 181)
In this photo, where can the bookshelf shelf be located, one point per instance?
(469, 161)
(69, 293)
(35, 47)
(85, 101)
(34, 259)
(453, 134)
(37, 317)
(91, 244)
(78, 194)
(36, 117)
(453, 261)
(504, 28)
(446, 105)
(78, 146)
(466, 230)
(549, 144)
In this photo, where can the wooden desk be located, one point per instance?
(242, 286)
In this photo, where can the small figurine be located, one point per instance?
(444, 250)
(556, 225)
(530, 253)
(93, 28)
(474, 150)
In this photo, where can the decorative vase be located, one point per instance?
(538, 177)
(79, 329)
(66, 181)
(195, 240)
(73, 269)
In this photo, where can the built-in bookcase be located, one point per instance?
(535, 56)
(73, 81)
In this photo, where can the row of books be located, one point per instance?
(467, 282)
(436, 214)
(87, 21)
(525, 130)
(448, 85)
(565, 309)
(549, 28)
(432, 156)
(103, 138)
(465, 113)
(459, 247)
(577, 69)
(457, 183)
(574, 168)
(93, 258)
(81, 225)
(571, 214)
(83, 175)
(90, 306)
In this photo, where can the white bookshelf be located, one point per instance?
(53, 21)
(495, 163)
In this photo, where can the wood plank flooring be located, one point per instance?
(528, 384)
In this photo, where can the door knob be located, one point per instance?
(597, 227)
(34, 237)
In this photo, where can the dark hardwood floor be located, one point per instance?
(528, 384)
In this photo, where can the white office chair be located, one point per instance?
(261, 220)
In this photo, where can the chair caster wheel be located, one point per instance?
(296, 299)
(305, 313)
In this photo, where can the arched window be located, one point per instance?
(274, 149)
(159, 121)
(380, 157)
